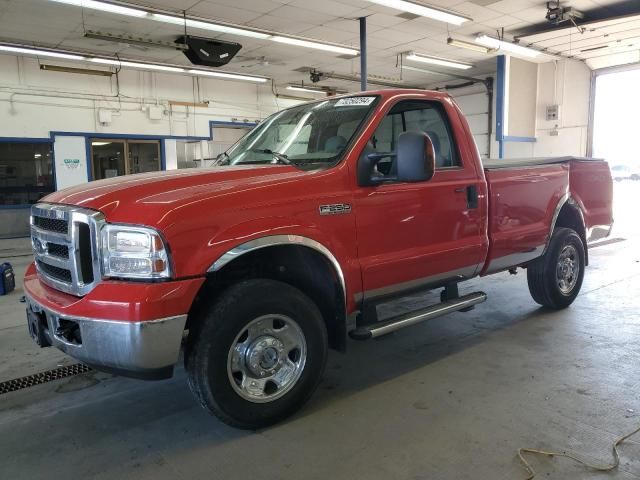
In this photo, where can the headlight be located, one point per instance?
(134, 252)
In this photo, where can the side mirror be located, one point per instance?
(416, 157)
(415, 161)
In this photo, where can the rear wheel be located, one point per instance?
(258, 353)
(555, 279)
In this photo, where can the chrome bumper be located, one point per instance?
(146, 350)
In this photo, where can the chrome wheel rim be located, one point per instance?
(267, 358)
(567, 269)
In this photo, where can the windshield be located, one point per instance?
(309, 136)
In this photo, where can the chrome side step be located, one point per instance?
(411, 318)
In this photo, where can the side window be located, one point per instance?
(415, 116)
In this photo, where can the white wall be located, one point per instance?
(520, 115)
(34, 102)
(568, 84)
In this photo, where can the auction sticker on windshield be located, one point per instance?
(354, 101)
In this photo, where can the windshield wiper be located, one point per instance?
(277, 156)
(223, 159)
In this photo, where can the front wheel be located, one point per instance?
(555, 278)
(257, 354)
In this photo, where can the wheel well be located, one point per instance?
(571, 217)
(302, 267)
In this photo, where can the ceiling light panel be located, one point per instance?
(318, 46)
(468, 45)
(40, 53)
(508, 47)
(146, 66)
(424, 11)
(442, 62)
(228, 76)
(214, 27)
(105, 7)
(299, 88)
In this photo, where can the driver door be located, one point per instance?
(412, 235)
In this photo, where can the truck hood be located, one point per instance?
(149, 196)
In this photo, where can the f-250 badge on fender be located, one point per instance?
(335, 209)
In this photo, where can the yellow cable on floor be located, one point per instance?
(606, 468)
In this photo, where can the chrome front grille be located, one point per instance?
(65, 246)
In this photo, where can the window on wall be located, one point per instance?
(26, 172)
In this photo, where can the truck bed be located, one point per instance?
(526, 197)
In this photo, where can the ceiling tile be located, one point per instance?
(260, 6)
(280, 24)
(327, 34)
(533, 14)
(477, 12)
(338, 9)
(302, 15)
(352, 25)
(224, 12)
(503, 21)
(397, 35)
(384, 20)
(511, 6)
(175, 5)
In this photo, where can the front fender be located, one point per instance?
(336, 244)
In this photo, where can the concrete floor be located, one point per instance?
(449, 399)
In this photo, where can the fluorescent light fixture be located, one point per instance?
(422, 70)
(317, 45)
(509, 47)
(146, 66)
(443, 62)
(215, 27)
(129, 64)
(40, 53)
(468, 45)
(300, 88)
(105, 7)
(37, 155)
(100, 144)
(424, 11)
(228, 76)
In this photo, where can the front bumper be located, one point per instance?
(146, 350)
(138, 338)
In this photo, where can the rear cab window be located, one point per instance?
(415, 116)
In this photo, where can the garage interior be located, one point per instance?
(100, 89)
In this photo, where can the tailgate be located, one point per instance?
(592, 189)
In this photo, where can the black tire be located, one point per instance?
(208, 351)
(542, 274)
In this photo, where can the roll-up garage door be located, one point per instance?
(473, 101)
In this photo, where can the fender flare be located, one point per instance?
(564, 200)
(273, 240)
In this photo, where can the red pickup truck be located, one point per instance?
(285, 248)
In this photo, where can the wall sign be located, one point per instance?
(70, 161)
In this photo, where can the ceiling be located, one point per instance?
(600, 44)
(46, 23)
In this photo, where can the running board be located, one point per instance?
(411, 318)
